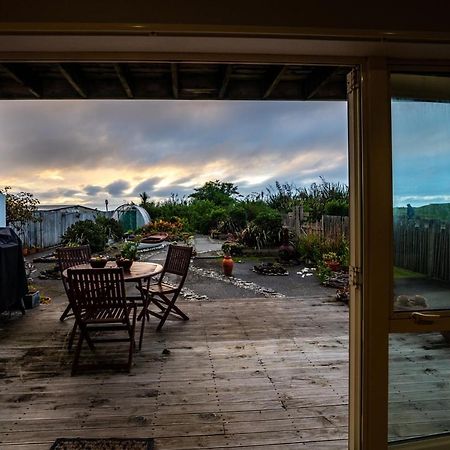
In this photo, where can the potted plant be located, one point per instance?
(32, 298)
(98, 262)
(227, 262)
(128, 252)
(331, 260)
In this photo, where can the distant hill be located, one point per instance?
(434, 211)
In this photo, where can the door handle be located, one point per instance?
(424, 318)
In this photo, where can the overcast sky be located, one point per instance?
(83, 152)
(421, 152)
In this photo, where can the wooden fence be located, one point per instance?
(423, 246)
(332, 228)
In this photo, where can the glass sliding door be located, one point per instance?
(419, 342)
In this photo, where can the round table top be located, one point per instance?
(138, 271)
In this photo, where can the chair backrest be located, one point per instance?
(93, 289)
(72, 256)
(178, 260)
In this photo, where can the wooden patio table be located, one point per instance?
(139, 272)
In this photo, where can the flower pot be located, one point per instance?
(333, 265)
(124, 263)
(227, 265)
(25, 251)
(98, 263)
(31, 300)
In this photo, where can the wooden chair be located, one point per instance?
(99, 303)
(69, 257)
(164, 295)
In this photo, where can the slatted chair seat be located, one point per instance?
(162, 288)
(164, 295)
(99, 302)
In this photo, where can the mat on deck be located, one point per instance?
(102, 444)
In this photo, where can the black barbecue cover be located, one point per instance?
(13, 280)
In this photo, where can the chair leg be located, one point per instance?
(76, 357)
(180, 313)
(131, 349)
(168, 310)
(141, 335)
(72, 335)
(66, 312)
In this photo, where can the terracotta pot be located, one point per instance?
(124, 263)
(98, 263)
(227, 265)
(25, 251)
(333, 265)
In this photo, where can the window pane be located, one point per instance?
(421, 188)
(419, 385)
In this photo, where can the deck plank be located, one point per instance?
(253, 373)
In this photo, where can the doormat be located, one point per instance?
(102, 444)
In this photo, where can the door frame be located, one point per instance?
(371, 219)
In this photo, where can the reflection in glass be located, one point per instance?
(421, 187)
(419, 385)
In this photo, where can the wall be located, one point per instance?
(47, 232)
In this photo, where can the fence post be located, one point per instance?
(298, 219)
(430, 250)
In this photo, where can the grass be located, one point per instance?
(400, 273)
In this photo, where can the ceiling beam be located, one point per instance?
(74, 78)
(174, 72)
(316, 80)
(275, 79)
(225, 80)
(124, 78)
(25, 78)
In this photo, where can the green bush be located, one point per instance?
(86, 232)
(232, 248)
(336, 207)
(313, 247)
(263, 231)
(112, 228)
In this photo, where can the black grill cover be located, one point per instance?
(13, 280)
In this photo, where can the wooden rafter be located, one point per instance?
(315, 81)
(174, 72)
(26, 79)
(278, 74)
(74, 78)
(225, 80)
(124, 78)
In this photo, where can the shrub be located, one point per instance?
(233, 249)
(86, 232)
(314, 248)
(263, 231)
(310, 247)
(174, 227)
(112, 228)
(336, 207)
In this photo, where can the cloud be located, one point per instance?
(92, 189)
(121, 149)
(147, 186)
(117, 188)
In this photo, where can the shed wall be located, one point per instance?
(51, 226)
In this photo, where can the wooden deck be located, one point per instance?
(254, 373)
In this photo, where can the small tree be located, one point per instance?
(217, 192)
(20, 208)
